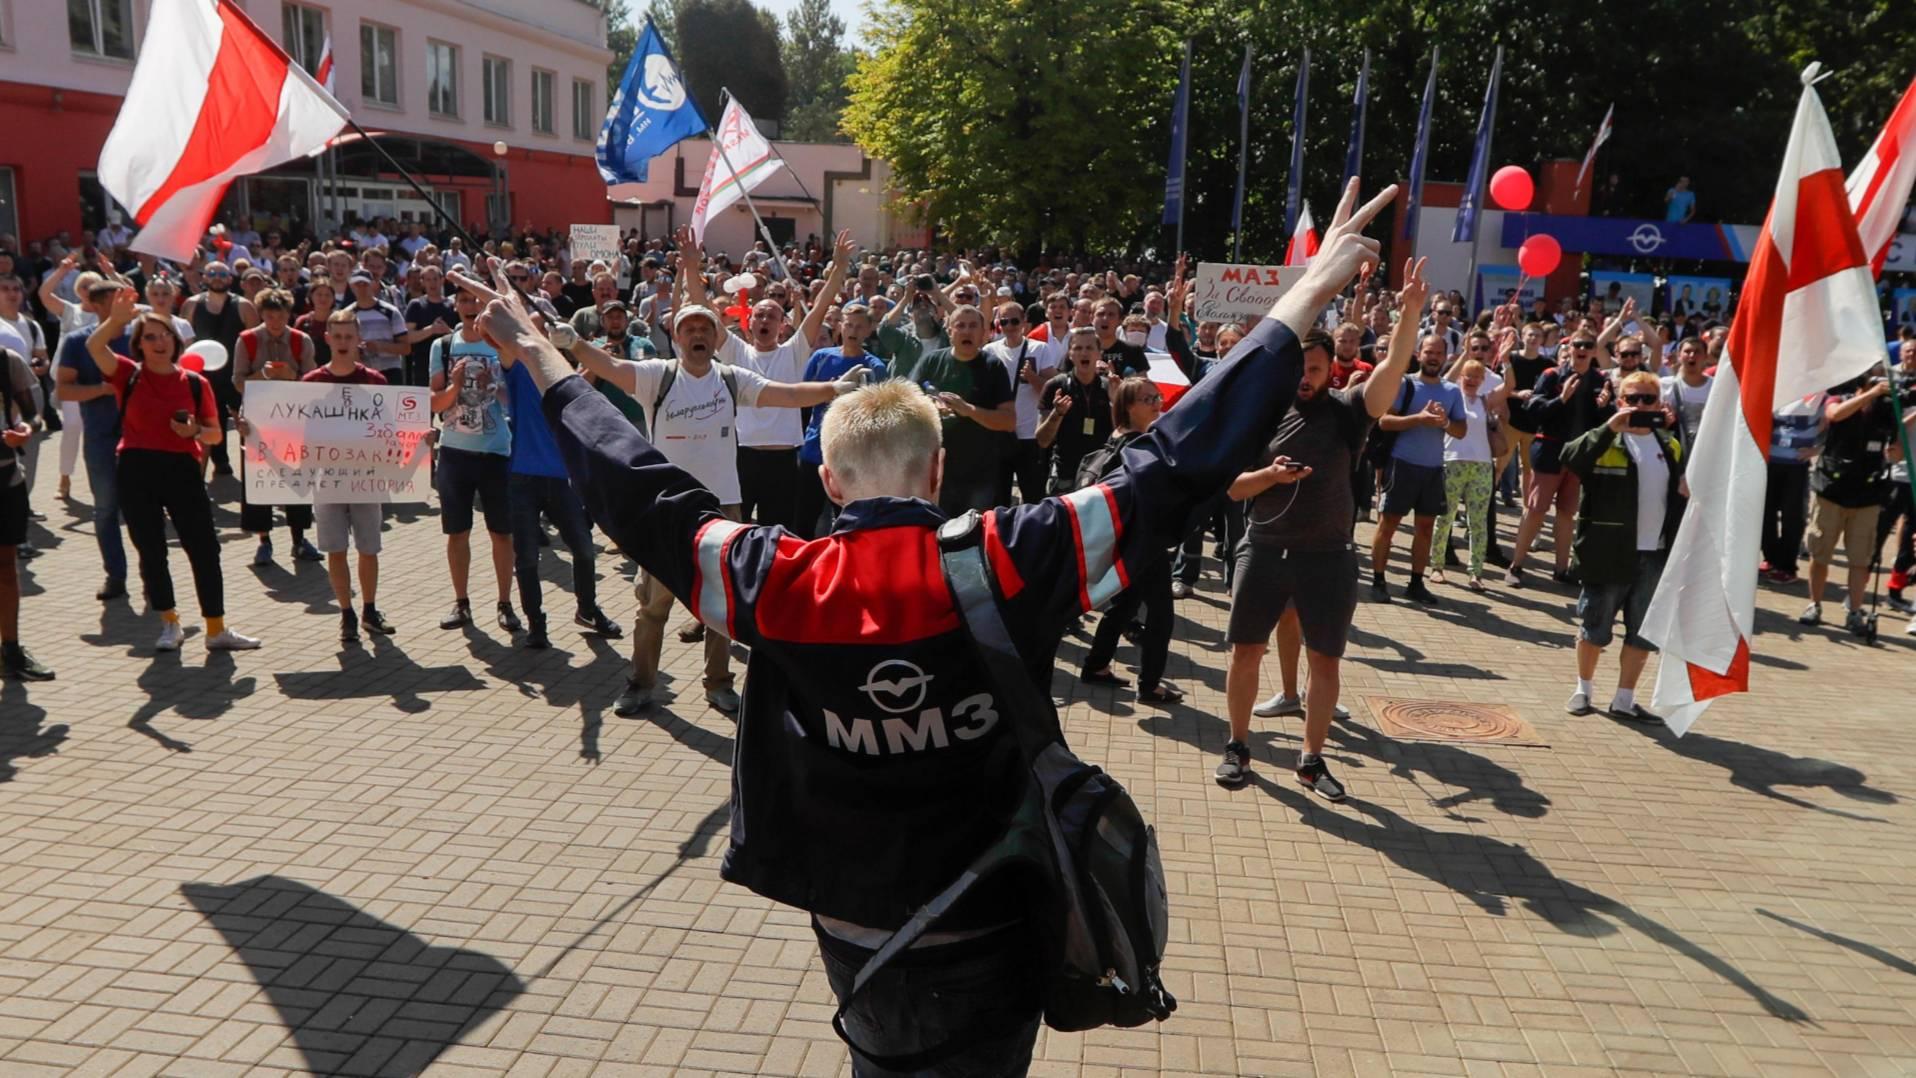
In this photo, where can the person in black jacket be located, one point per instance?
(1567, 401)
(873, 759)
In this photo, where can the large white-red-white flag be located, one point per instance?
(1880, 185)
(1807, 320)
(213, 98)
(741, 160)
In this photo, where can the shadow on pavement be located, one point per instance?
(21, 735)
(1762, 770)
(360, 995)
(1893, 961)
(1480, 777)
(1488, 871)
(383, 669)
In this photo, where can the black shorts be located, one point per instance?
(463, 473)
(1413, 488)
(13, 510)
(1321, 585)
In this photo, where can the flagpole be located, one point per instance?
(414, 184)
(1243, 156)
(1477, 196)
(1185, 120)
(718, 146)
(800, 180)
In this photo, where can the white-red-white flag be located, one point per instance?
(1807, 319)
(1603, 136)
(1303, 241)
(212, 98)
(1170, 378)
(323, 74)
(741, 160)
(1879, 187)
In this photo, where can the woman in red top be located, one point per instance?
(167, 417)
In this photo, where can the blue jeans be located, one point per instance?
(531, 495)
(103, 475)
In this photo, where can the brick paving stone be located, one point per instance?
(441, 852)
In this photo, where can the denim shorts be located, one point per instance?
(1598, 604)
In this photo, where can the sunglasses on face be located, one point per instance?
(220, 275)
(1639, 398)
(518, 278)
(1583, 344)
(1635, 354)
(1003, 322)
(1480, 348)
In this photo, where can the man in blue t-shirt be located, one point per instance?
(475, 450)
(79, 379)
(814, 512)
(1679, 202)
(1426, 409)
(538, 485)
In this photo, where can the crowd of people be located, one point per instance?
(848, 403)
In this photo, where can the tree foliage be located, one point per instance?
(818, 65)
(1030, 118)
(730, 44)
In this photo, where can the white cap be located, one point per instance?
(694, 311)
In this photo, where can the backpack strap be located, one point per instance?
(665, 386)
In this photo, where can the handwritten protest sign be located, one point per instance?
(595, 243)
(319, 443)
(1230, 292)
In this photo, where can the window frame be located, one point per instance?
(295, 42)
(548, 127)
(371, 70)
(496, 97)
(452, 59)
(582, 127)
(96, 50)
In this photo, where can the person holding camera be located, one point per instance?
(1631, 471)
(1850, 481)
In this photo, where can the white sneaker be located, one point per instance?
(228, 640)
(1912, 627)
(1285, 704)
(172, 634)
(1811, 615)
(1578, 704)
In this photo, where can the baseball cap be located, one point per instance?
(615, 305)
(706, 313)
(360, 275)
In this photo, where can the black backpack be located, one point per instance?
(1377, 451)
(1102, 461)
(1104, 914)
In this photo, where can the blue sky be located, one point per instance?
(849, 10)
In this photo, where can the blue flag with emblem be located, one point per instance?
(1294, 188)
(651, 113)
(1465, 230)
(1415, 197)
(1180, 125)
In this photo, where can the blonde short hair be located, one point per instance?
(1640, 378)
(881, 436)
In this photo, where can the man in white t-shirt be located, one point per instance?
(1686, 391)
(692, 408)
(768, 438)
(1029, 365)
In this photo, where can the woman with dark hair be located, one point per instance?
(167, 417)
(1137, 405)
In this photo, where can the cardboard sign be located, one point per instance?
(596, 243)
(321, 443)
(1232, 293)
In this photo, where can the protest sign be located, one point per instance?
(321, 443)
(596, 243)
(1230, 292)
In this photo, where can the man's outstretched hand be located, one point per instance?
(1344, 252)
(504, 320)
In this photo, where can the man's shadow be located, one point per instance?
(547, 673)
(1760, 770)
(1480, 777)
(21, 734)
(360, 995)
(1488, 871)
(193, 692)
(383, 669)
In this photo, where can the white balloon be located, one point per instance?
(212, 354)
(741, 283)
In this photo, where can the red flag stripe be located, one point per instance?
(1708, 685)
(236, 115)
(1823, 240)
(1754, 334)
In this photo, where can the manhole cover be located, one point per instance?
(1450, 720)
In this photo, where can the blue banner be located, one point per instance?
(1465, 230)
(1354, 157)
(1414, 200)
(651, 113)
(1180, 127)
(1635, 236)
(1243, 138)
(1294, 188)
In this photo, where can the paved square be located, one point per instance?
(441, 852)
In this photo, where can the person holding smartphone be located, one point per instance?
(1631, 468)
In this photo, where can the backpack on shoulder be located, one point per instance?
(1378, 449)
(1103, 913)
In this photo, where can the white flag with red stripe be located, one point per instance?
(323, 74)
(1879, 188)
(741, 160)
(1170, 378)
(212, 99)
(1303, 241)
(1807, 319)
(1603, 136)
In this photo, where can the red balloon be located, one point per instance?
(1512, 187)
(1539, 255)
(193, 361)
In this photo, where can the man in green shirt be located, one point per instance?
(975, 399)
(616, 322)
(902, 347)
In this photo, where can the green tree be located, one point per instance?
(730, 43)
(621, 37)
(1023, 122)
(818, 65)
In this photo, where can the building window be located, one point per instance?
(101, 27)
(379, 64)
(582, 109)
(304, 30)
(542, 101)
(498, 79)
(442, 78)
(9, 209)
